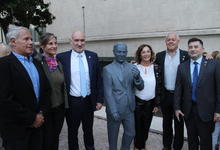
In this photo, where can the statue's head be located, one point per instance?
(120, 52)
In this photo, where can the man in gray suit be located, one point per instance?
(197, 96)
(120, 79)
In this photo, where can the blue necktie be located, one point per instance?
(194, 83)
(83, 89)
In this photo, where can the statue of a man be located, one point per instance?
(120, 80)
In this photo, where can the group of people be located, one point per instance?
(40, 89)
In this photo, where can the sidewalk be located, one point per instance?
(100, 134)
(156, 125)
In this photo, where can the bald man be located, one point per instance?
(84, 89)
(4, 50)
(168, 60)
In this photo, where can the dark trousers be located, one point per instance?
(143, 117)
(80, 111)
(199, 132)
(1, 142)
(32, 141)
(168, 117)
(52, 128)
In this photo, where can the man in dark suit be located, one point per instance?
(24, 94)
(168, 61)
(197, 96)
(84, 88)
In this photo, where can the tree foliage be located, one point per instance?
(24, 13)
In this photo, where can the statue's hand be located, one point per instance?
(115, 116)
(135, 72)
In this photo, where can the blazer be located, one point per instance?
(43, 62)
(96, 85)
(18, 103)
(157, 73)
(160, 60)
(208, 89)
(119, 88)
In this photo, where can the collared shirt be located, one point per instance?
(170, 69)
(75, 74)
(192, 66)
(32, 72)
(147, 74)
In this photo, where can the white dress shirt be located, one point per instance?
(170, 69)
(147, 74)
(75, 74)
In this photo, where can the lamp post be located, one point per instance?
(84, 20)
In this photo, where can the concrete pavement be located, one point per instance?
(101, 140)
(100, 134)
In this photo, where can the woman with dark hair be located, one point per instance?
(148, 99)
(54, 72)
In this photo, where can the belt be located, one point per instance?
(194, 103)
(170, 91)
(79, 97)
(143, 102)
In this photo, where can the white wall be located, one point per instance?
(136, 22)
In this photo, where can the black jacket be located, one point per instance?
(160, 60)
(18, 103)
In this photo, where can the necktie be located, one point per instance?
(83, 89)
(194, 83)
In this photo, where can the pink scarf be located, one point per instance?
(51, 62)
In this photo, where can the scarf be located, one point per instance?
(51, 62)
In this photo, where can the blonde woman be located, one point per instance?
(58, 104)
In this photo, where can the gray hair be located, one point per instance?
(13, 32)
(177, 35)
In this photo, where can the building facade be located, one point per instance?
(135, 22)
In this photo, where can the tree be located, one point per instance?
(24, 13)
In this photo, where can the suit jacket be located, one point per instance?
(94, 74)
(208, 89)
(157, 73)
(119, 88)
(160, 60)
(18, 103)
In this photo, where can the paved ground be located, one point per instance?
(101, 141)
